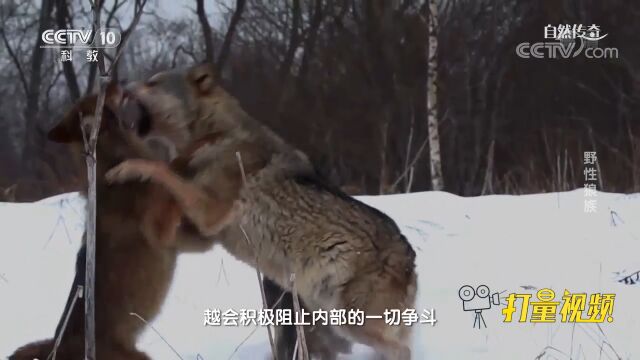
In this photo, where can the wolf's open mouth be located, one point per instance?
(145, 122)
(135, 115)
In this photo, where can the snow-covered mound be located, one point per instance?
(512, 244)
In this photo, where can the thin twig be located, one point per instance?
(134, 23)
(242, 343)
(90, 268)
(296, 348)
(279, 300)
(258, 274)
(78, 295)
(158, 333)
(16, 62)
(53, 232)
(303, 353)
(222, 272)
(256, 328)
(411, 165)
(91, 160)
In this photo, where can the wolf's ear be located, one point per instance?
(204, 77)
(68, 130)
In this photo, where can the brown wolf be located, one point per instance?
(134, 265)
(344, 254)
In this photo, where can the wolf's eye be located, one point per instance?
(202, 78)
(204, 82)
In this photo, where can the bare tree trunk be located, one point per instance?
(90, 144)
(310, 42)
(437, 180)
(228, 38)
(487, 187)
(409, 179)
(35, 79)
(93, 67)
(62, 16)
(294, 40)
(206, 30)
(16, 62)
(384, 132)
(289, 57)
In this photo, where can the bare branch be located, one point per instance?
(294, 40)
(49, 88)
(410, 166)
(127, 33)
(90, 268)
(91, 160)
(177, 51)
(93, 67)
(67, 66)
(56, 345)
(228, 38)
(310, 41)
(303, 351)
(158, 333)
(256, 328)
(117, 4)
(206, 30)
(16, 61)
(35, 78)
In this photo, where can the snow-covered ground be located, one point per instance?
(513, 244)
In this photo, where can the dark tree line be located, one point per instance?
(347, 82)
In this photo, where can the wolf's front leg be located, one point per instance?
(208, 212)
(136, 170)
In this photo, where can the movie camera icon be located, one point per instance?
(478, 300)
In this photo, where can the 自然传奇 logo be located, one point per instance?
(566, 41)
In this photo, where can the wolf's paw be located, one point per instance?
(133, 170)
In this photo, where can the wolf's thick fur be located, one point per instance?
(345, 254)
(134, 266)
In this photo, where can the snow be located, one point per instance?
(505, 242)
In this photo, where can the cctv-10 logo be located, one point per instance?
(74, 38)
(573, 307)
